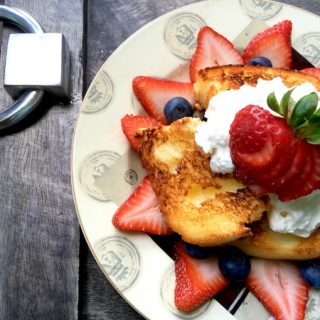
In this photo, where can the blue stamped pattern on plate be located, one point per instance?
(92, 175)
(120, 259)
(100, 94)
(262, 9)
(308, 45)
(181, 34)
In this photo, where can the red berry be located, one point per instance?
(141, 212)
(196, 280)
(308, 179)
(284, 146)
(154, 93)
(130, 124)
(273, 43)
(243, 138)
(280, 288)
(212, 49)
(269, 158)
(293, 172)
(258, 140)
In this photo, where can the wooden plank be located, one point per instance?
(309, 5)
(109, 24)
(39, 233)
(1, 26)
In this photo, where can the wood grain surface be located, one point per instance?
(39, 231)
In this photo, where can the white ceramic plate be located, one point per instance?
(105, 171)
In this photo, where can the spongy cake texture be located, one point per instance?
(204, 208)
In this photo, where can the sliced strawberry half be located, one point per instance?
(154, 93)
(313, 71)
(212, 49)
(273, 43)
(269, 158)
(141, 212)
(130, 125)
(250, 146)
(196, 280)
(293, 172)
(262, 146)
(307, 180)
(284, 27)
(279, 287)
(284, 145)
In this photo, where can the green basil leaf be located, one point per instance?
(284, 104)
(315, 116)
(310, 131)
(273, 103)
(303, 110)
(291, 105)
(314, 139)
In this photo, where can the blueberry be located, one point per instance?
(260, 61)
(310, 271)
(234, 265)
(177, 108)
(197, 251)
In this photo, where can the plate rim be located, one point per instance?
(73, 176)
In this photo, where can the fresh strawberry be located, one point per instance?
(273, 43)
(249, 144)
(313, 71)
(154, 93)
(212, 49)
(285, 144)
(269, 158)
(284, 27)
(196, 280)
(130, 124)
(294, 171)
(141, 212)
(279, 287)
(262, 146)
(308, 179)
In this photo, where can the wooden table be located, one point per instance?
(47, 271)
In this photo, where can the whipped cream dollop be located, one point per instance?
(300, 216)
(213, 135)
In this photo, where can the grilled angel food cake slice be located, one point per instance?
(211, 81)
(206, 209)
(268, 244)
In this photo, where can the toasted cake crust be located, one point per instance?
(204, 208)
(211, 81)
(268, 244)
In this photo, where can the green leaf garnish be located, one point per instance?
(303, 110)
(315, 116)
(273, 102)
(284, 104)
(303, 116)
(310, 131)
